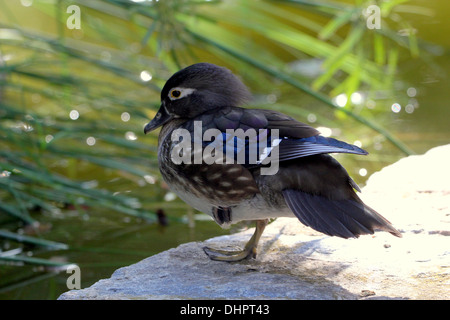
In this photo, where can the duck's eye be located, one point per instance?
(175, 94)
(179, 92)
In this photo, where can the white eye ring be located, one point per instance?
(179, 92)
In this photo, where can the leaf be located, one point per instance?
(336, 23)
(32, 240)
(379, 50)
(14, 212)
(34, 261)
(350, 41)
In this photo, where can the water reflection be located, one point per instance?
(324, 131)
(74, 114)
(125, 116)
(357, 98)
(396, 107)
(362, 172)
(26, 3)
(130, 135)
(411, 92)
(149, 179)
(145, 76)
(341, 100)
(409, 108)
(91, 141)
(5, 174)
(311, 118)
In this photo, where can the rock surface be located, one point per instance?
(295, 262)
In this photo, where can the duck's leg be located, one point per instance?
(249, 250)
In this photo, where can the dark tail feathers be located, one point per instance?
(343, 218)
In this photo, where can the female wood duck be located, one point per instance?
(308, 183)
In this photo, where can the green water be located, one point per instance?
(100, 242)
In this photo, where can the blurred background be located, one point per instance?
(79, 182)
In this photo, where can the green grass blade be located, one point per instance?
(32, 240)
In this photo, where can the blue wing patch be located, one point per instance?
(253, 149)
(296, 148)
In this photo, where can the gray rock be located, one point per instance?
(295, 262)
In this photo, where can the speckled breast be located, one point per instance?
(219, 184)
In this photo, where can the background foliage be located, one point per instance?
(73, 102)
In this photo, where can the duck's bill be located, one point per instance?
(160, 118)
